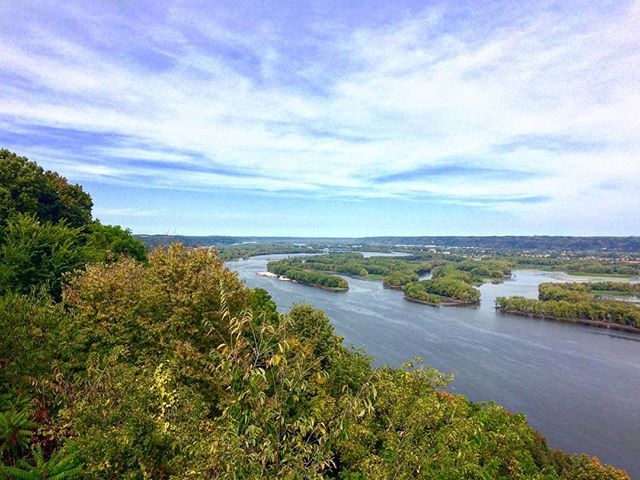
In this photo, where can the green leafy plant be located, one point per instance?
(63, 465)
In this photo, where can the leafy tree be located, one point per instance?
(111, 242)
(37, 253)
(25, 188)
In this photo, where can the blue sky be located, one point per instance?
(333, 118)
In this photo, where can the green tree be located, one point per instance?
(26, 188)
(37, 253)
(111, 242)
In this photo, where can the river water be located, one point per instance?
(579, 386)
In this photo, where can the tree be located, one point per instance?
(26, 188)
(111, 242)
(36, 253)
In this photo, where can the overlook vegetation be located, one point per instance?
(46, 229)
(116, 364)
(579, 301)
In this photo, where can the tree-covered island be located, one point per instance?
(588, 303)
(453, 278)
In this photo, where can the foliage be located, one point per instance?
(25, 188)
(63, 465)
(170, 368)
(173, 369)
(37, 253)
(16, 429)
(590, 265)
(447, 286)
(46, 229)
(618, 312)
(308, 277)
(111, 242)
(416, 291)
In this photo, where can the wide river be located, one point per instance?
(579, 386)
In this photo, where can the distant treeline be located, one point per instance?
(547, 243)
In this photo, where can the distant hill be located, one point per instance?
(547, 243)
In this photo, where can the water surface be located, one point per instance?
(579, 386)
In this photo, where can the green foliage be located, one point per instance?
(16, 430)
(590, 265)
(263, 306)
(37, 253)
(63, 465)
(29, 326)
(46, 229)
(416, 291)
(447, 286)
(617, 312)
(25, 188)
(307, 277)
(173, 369)
(111, 242)
(395, 271)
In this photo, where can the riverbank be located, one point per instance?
(282, 278)
(448, 302)
(579, 321)
(321, 287)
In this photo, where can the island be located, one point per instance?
(587, 303)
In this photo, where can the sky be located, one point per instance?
(333, 118)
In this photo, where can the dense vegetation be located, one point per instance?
(46, 229)
(308, 277)
(582, 301)
(453, 281)
(446, 288)
(394, 271)
(168, 367)
(174, 369)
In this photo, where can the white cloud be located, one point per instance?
(393, 99)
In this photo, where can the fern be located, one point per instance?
(15, 431)
(63, 465)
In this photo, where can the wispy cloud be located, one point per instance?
(513, 108)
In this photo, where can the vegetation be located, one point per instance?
(308, 277)
(25, 188)
(417, 292)
(446, 288)
(168, 367)
(593, 265)
(394, 271)
(578, 301)
(46, 229)
(173, 369)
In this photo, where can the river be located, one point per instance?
(579, 386)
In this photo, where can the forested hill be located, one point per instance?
(546, 243)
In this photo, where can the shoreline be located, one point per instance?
(578, 321)
(286, 279)
(447, 303)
